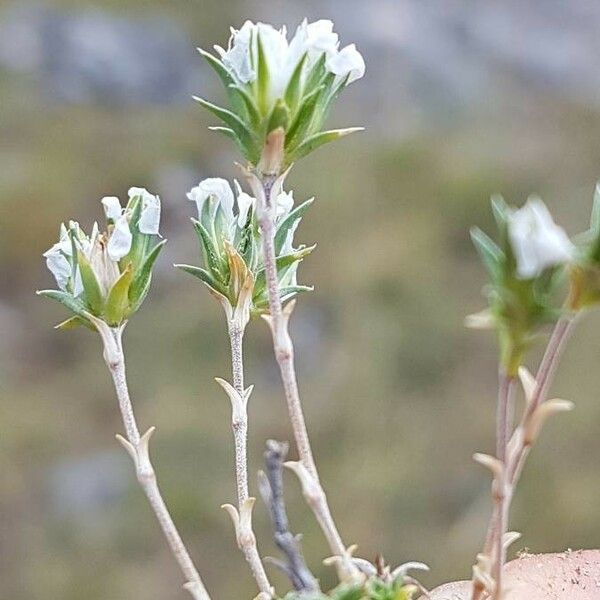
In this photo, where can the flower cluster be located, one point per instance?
(230, 240)
(523, 269)
(286, 86)
(106, 275)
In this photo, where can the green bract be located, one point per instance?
(107, 275)
(230, 241)
(278, 86)
(518, 305)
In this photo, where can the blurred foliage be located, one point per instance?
(397, 395)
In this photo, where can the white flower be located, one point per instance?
(244, 202)
(537, 242)
(112, 207)
(119, 243)
(217, 188)
(58, 265)
(150, 215)
(347, 62)
(282, 57)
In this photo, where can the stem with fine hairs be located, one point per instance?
(266, 190)
(242, 517)
(137, 447)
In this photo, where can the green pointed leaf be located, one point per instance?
(500, 210)
(234, 123)
(319, 139)
(205, 277)
(117, 302)
(141, 282)
(73, 304)
(288, 292)
(288, 222)
(221, 70)
(209, 250)
(74, 323)
(316, 74)
(248, 102)
(281, 263)
(294, 88)
(303, 119)
(489, 252)
(262, 76)
(91, 287)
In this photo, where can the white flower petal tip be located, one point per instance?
(489, 462)
(149, 222)
(480, 320)
(541, 414)
(538, 243)
(119, 243)
(348, 62)
(112, 207)
(216, 188)
(528, 382)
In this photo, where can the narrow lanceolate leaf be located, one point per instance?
(209, 250)
(117, 302)
(490, 254)
(142, 278)
(319, 139)
(204, 276)
(303, 119)
(225, 77)
(233, 122)
(73, 323)
(291, 290)
(316, 73)
(281, 262)
(294, 87)
(263, 76)
(93, 293)
(288, 222)
(248, 102)
(67, 300)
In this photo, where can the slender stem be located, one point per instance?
(284, 354)
(505, 392)
(517, 449)
(239, 425)
(138, 448)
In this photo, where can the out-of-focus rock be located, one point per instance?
(565, 576)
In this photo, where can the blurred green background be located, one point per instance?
(460, 101)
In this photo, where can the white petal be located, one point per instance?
(217, 188)
(137, 191)
(237, 57)
(348, 61)
(285, 203)
(119, 243)
(150, 216)
(112, 207)
(58, 265)
(288, 244)
(244, 202)
(537, 242)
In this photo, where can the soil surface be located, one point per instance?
(570, 575)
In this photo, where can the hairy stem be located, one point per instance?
(284, 354)
(137, 446)
(239, 425)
